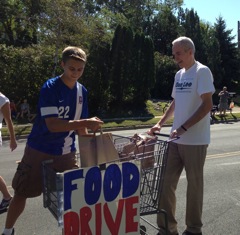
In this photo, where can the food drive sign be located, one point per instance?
(102, 202)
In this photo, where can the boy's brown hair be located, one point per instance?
(76, 53)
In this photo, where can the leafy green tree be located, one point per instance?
(24, 70)
(229, 54)
(128, 45)
(193, 30)
(165, 30)
(143, 69)
(213, 57)
(96, 78)
(18, 24)
(132, 71)
(120, 64)
(165, 72)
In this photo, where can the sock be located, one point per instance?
(7, 231)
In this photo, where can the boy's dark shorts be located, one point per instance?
(27, 181)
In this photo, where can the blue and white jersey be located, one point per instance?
(58, 100)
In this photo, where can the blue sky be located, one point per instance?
(209, 10)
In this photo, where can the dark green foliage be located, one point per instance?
(24, 71)
(129, 45)
(132, 68)
(229, 60)
(96, 79)
(165, 71)
(165, 30)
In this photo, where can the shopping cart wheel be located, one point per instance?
(142, 230)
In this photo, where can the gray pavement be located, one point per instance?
(222, 194)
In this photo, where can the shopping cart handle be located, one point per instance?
(161, 134)
(166, 135)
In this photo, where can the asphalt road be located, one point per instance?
(221, 215)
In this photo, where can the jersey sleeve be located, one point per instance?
(48, 102)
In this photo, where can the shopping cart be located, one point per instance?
(150, 185)
(151, 180)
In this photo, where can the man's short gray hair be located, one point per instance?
(186, 42)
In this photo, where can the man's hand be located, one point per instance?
(155, 128)
(177, 132)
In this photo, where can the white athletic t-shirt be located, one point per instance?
(3, 100)
(188, 87)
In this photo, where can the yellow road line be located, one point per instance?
(221, 155)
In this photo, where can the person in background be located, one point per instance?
(5, 113)
(223, 101)
(62, 109)
(25, 109)
(192, 102)
(13, 109)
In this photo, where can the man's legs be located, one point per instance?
(194, 158)
(168, 197)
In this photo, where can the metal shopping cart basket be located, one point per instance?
(150, 186)
(151, 179)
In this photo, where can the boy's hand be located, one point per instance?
(94, 123)
(13, 144)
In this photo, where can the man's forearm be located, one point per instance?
(168, 114)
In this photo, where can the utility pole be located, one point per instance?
(239, 35)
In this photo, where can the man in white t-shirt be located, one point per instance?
(191, 106)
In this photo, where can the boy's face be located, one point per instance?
(73, 69)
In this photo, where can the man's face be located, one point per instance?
(183, 57)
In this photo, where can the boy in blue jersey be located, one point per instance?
(62, 110)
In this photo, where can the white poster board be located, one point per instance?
(102, 201)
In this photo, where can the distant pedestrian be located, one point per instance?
(13, 109)
(223, 101)
(25, 109)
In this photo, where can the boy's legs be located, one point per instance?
(24, 182)
(168, 198)
(27, 181)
